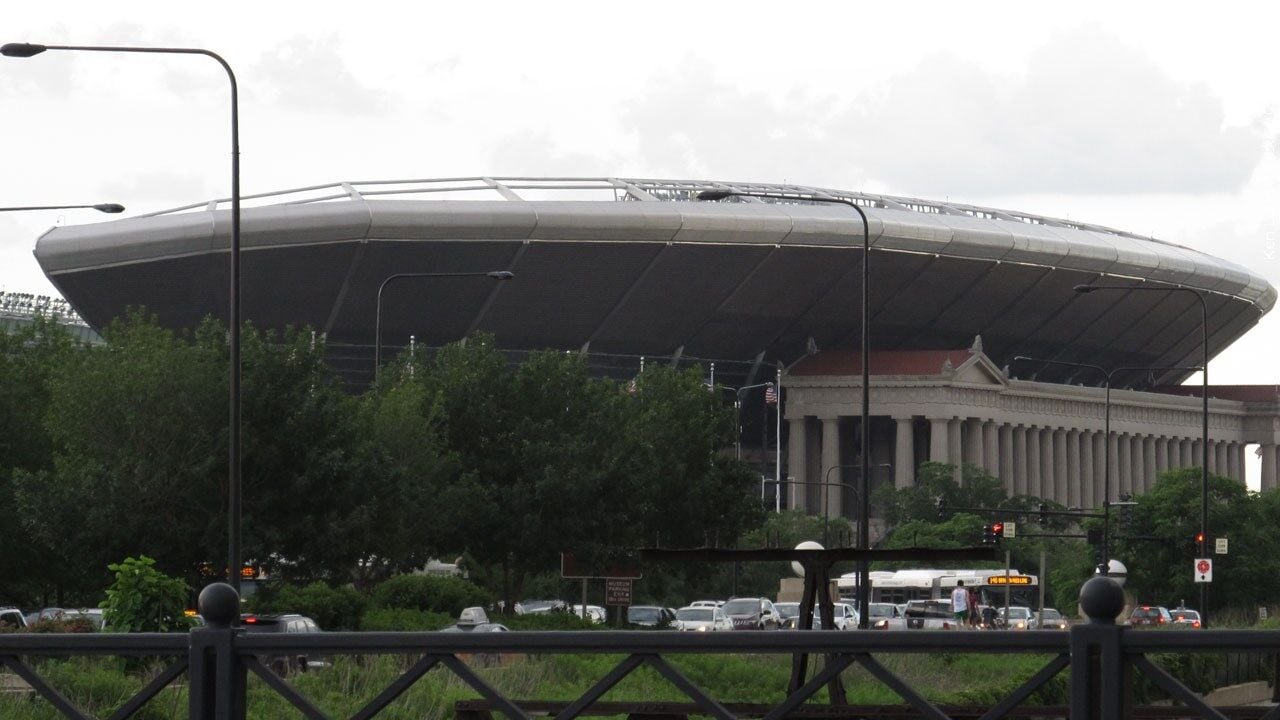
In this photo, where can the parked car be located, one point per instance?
(706, 603)
(1150, 615)
(1049, 619)
(702, 619)
(752, 614)
(93, 615)
(846, 618)
(1183, 616)
(650, 616)
(12, 619)
(1017, 618)
(594, 613)
(930, 615)
(886, 616)
(290, 623)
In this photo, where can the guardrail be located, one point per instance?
(1101, 658)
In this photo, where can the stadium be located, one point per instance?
(624, 269)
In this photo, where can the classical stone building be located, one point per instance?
(1040, 439)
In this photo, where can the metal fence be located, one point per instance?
(1101, 658)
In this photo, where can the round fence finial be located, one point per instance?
(1102, 599)
(219, 605)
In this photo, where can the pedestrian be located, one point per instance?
(974, 616)
(960, 602)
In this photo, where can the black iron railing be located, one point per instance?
(1100, 656)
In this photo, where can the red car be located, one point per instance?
(1150, 615)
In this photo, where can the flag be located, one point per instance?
(770, 394)
(631, 386)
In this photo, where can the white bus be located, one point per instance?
(899, 586)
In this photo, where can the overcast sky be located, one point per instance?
(1158, 118)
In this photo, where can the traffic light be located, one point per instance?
(992, 533)
(1044, 514)
(942, 508)
(1200, 544)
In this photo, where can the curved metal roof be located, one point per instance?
(638, 267)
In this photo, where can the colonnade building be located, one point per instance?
(1041, 439)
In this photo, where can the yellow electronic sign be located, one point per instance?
(1008, 580)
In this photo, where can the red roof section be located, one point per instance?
(1240, 393)
(887, 362)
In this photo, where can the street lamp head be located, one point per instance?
(1084, 289)
(501, 274)
(714, 194)
(21, 50)
(112, 208)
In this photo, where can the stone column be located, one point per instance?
(972, 432)
(1185, 455)
(1086, 468)
(1033, 461)
(1197, 457)
(1122, 480)
(955, 448)
(1269, 469)
(797, 453)
(1060, 479)
(1020, 472)
(1221, 461)
(938, 436)
(904, 454)
(834, 506)
(1074, 475)
(1162, 454)
(1047, 479)
(991, 448)
(1233, 461)
(1099, 467)
(1241, 449)
(1111, 481)
(1213, 457)
(1006, 471)
(1148, 462)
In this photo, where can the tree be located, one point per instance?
(143, 599)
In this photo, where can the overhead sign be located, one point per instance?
(573, 568)
(1008, 579)
(1203, 570)
(1220, 546)
(1010, 530)
(617, 592)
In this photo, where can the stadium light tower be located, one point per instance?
(864, 535)
(1204, 395)
(499, 275)
(234, 490)
(100, 207)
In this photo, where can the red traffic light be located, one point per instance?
(997, 528)
(1200, 537)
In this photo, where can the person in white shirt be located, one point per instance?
(960, 602)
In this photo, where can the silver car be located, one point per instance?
(702, 619)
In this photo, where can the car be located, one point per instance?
(594, 613)
(539, 607)
(702, 619)
(93, 615)
(1150, 615)
(706, 603)
(1048, 619)
(475, 619)
(930, 615)
(1183, 616)
(885, 616)
(652, 616)
(283, 623)
(12, 619)
(1018, 617)
(846, 618)
(752, 613)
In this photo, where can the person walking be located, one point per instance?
(960, 602)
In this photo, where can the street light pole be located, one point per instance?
(100, 207)
(1204, 394)
(737, 413)
(499, 275)
(864, 536)
(26, 50)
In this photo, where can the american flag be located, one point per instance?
(770, 394)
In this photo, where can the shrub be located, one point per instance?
(547, 621)
(60, 625)
(332, 608)
(431, 593)
(403, 619)
(143, 599)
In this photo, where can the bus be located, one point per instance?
(899, 586)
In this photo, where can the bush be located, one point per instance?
(403, 619)
(60, 625)
(430, 593)
(332, 608)
(143, 599)
(547, 621)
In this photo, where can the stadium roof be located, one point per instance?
(639, 267)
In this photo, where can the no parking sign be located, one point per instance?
(1203, 570)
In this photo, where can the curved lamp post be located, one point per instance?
(1204, 394)
(1107, 375)
(377, 327)
(26, 50)
(864, 537)
(100, 207)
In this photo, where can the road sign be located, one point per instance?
(1010, 530)
(1220, 546)
(617, 591)
(574, 568)
(1203, 570)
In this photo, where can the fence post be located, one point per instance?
(1100, 676)
(216, 675)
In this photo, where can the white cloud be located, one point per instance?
(309, 75)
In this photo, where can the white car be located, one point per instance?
(702, 619)
(846, 617)
(706, 603)
(886, 616)
(594, 613)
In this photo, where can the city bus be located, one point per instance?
(899, 586)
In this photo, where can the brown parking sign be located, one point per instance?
(617, 591)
